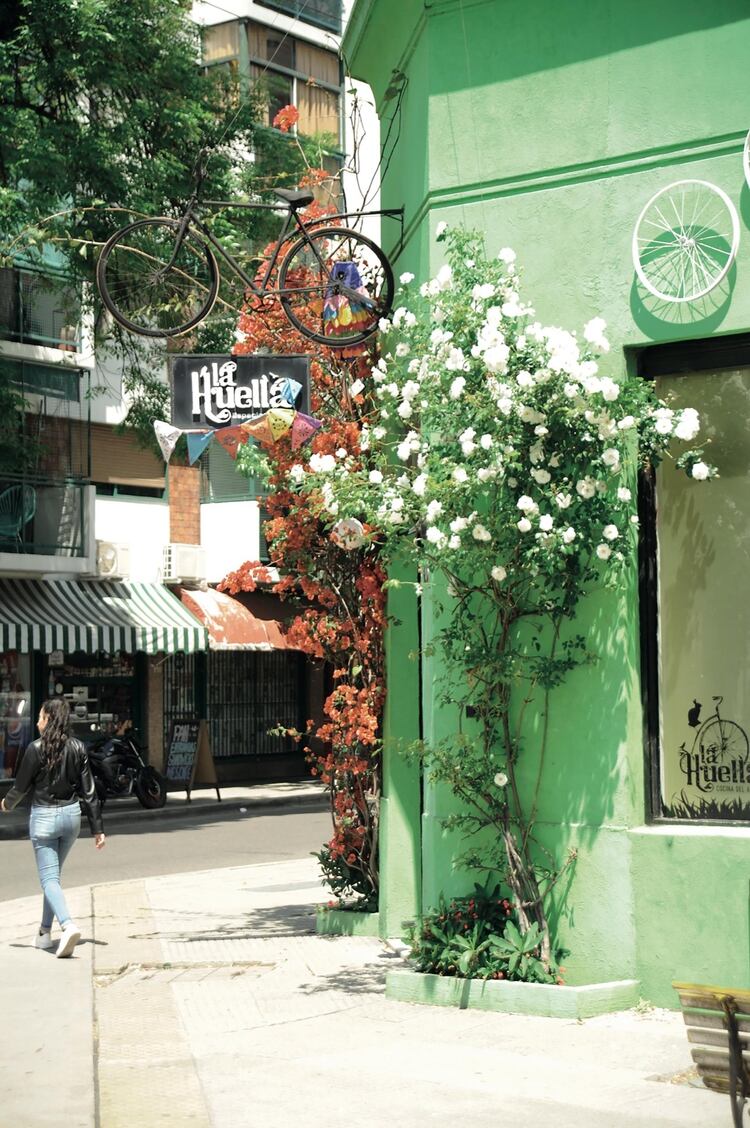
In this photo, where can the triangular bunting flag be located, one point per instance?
(280, 419)
(166, 437)
(290, 390)
(303, 428)
(231, 438)
(197, 443)
(259, 429)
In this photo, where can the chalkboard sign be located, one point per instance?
(181, 752)
(189, 759)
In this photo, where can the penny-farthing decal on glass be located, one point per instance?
(685, 240)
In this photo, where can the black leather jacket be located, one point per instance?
(73, 780)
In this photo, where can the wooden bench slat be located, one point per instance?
(716, 1057)
(712, 994)
(703, 1020)
(714, 1038)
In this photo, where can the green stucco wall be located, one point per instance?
(548, 126)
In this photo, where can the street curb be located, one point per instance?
(15, 826)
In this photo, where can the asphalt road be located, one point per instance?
(173, 846)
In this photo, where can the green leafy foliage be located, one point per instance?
(347, 883)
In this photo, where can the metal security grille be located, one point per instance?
(179, 691)
(250, 693)
(247, 693)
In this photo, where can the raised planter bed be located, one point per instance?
(543, 999)
(342, 922)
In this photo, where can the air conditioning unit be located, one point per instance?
(184, 564)
(112, 560)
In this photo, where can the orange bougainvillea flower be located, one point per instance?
(286, 118)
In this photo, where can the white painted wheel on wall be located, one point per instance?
(685, 240)
(746, 158)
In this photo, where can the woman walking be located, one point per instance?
(56, 767)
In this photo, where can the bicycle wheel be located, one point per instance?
(724, 741)
(149, 289)
(685, 240)
(335, 285)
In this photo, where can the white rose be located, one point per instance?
(501, 780)
(485, 473)
(433, 511)
(586, 487)
(496, 358)
(482, 291)
(479, 533)
(546, 523)
(460, 475)
(498, 573)
(663, 426)
(610, 532)
(563, 500)
(603, 551)
(444, 276)
(434, 536)
(569, 535)
(506, 255)
(623, 493)
(526, 503)
(485, 442)
(626, 423)
(406, 278)
(525, 379)
(609, 389)
(404, 409)
(541, 476)
(297, 472)
(457, 387)
(700, 471)
(455, 360)
(402, 349)
(611, 457)
(688, 426)
(455, 541)
(524, 525)
(571, 390)
(458, 524)
(419, 485)
(376, 477)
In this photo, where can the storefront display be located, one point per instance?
(100, 688)
(16, 722)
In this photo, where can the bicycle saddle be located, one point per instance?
(296, 199)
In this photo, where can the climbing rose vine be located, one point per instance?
(500, 457)
(339, 594)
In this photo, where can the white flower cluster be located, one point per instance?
(495, 444)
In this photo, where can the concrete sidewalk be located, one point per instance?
(206, 999)
(120, 812)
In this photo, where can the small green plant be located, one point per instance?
(476, 937)
(347, 883)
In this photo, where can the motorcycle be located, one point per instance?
(119, 769)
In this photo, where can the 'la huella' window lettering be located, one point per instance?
(214, 391)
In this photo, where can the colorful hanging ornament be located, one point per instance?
(344, 316)
(197, 441)
(231, 438)
(280, 419)
(348, 533)
(303, 428)
(259, 429)
(166, 436)
(290, 389)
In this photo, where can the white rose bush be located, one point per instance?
(500, 460)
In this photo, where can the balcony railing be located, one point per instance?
(44, 516)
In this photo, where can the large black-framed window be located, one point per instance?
(695, 593)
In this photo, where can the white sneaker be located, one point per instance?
(68, 940)
(43, 940)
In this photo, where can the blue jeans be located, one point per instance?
(53, 830)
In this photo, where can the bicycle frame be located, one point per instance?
(291, 224)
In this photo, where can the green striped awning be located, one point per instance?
(94, 615)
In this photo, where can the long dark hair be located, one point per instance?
(56, 732)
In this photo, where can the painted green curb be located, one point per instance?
(542, 999)
(340, 922)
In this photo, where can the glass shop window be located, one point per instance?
(16, 722)
(703, 563)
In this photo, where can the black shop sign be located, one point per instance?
(222, 391)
